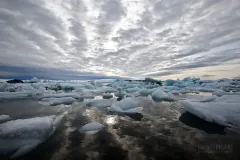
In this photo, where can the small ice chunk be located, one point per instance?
(226, 114)
(99, 84)
(4, 118)
(159, 95)
(57, 101)
(127, 105)
(23, 135)
(107, 95)
(120, 93)
(144, 92)
(229, 99)
(61, 95)
(91, 128)
(198, 98)
(101, 103)
(132, 90)
(221, 93)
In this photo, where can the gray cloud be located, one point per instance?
(119, 37)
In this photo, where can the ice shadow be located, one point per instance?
(195, 122)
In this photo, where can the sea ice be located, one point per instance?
(91, 128)
(4, 118)
(23, 135)
(127, 105)
(101, 103)
(159, 95)
(144, 92)
(107, 95)
(226, 114)
(57, 101)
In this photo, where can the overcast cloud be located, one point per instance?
(123, 38)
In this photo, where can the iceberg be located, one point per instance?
(61, 95)
(127, 105)
(23, 135)
(229, 99)
(221, 93)
(120, 94)
(132, 90)
(159, 95)
(201, 98)
(101, 103)
(225, 114)
(4, 118)
(57, 101)
(107, 95)
(144, 92)
(91, 128)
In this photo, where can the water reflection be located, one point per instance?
(110, 120)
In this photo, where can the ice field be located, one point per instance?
(93, 118)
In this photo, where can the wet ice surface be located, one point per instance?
(161, 131)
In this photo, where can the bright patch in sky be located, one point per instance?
(125, 38)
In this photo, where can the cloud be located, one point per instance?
(118, 37)
(48, 73)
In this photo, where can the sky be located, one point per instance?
(74, 39)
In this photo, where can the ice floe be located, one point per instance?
(101, 103)
(57, 101)
(91, 128)
(226, 114)
(107, 95)
(4, 118)
(23, 135)
(159, 95)
(127, 105)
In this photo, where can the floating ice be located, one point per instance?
(229, 99)
(61, 95)
(226, 114)
(4, 118)
(91, 128)
(34, 80)
(221, 93)
(198, 98)
(159, 95)
(120, 93)
(132, 90)
(144, 92)
(127, 105)
(57, 101)
(99, 84)
(101, 103)
(23, 135)
(107, 95)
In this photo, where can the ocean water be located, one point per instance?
(162, 131)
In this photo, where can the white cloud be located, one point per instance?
(129, 38)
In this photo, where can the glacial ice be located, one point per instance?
(57, 101)
(4, 118)
(197, 98)
(107, 95)
(127, 105)
(101, 103)
(228, 99)
(159, 95)
(226, 114)
(143, 92)
(91, 128)
(23, 135)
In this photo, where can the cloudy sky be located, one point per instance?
(120, 38)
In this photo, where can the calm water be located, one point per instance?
(160, 132)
